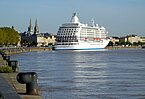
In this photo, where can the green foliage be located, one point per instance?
(5, 69)
(110, 43)
(117, 43)
(122, 43)
(141, 43)
(128, 43)
(8, 36)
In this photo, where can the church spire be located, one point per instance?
(30, 28)
(36, 28)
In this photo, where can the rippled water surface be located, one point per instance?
(108, 74)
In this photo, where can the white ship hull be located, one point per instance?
(84, 46)
(78, 36)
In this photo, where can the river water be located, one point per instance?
(104, 74)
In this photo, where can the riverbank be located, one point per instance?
(10, 88)
(16, 50)
(122, 47)
(17, 88)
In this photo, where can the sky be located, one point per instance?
(119, 17)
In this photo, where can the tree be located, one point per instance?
(128, 43)
(8, 36)
(140, 43)
(122, 43)
(117, 43)
(1, 37)
(110, 43)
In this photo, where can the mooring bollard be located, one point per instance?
(6, 57)
(31, 81)
(2, 54)
(14, 65)
(1, 57)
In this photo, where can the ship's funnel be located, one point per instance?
(74, 18)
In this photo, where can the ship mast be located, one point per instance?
(93, 22)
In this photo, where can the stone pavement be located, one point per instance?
(6, 91)
(9, 79)
(10, 88)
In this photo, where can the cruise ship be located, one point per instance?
(75, 35)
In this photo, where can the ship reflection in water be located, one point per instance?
(110, 74)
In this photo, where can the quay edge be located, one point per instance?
(10, 88)
(15, 50)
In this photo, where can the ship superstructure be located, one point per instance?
(77, 36)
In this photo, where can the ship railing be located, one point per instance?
(67, 43)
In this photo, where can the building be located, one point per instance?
(35, 38)
(114, 40)
(142, 39)
(133, 39)
(130, 38)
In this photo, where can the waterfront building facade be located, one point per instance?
(114, 40)
(133, 39)
(36, 38)
(130, 38)
(142, 39)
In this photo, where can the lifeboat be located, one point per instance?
(97, 39)
(85, 39)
